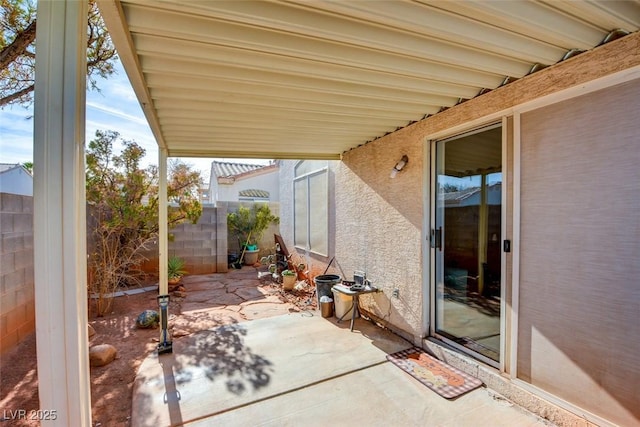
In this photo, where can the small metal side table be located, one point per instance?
(346, 290)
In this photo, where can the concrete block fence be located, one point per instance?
(203, 247)
(17, 297)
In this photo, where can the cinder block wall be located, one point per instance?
(203, 246)
(17, 297)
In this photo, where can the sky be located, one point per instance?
(115, 107)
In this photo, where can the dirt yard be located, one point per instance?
(211, 300)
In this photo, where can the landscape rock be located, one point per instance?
(102, 354)
(180, 294)
(148, 319)
(91, 331)
(177, 333)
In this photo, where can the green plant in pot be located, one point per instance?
(288, 279)
(175, 270)
(248, 226)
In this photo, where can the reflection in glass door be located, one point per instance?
(466, 238)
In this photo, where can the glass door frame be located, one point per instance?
(430, 264)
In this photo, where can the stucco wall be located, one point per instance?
(586, 304)
(17, 298)
(286, 172)
(579, 336)
(379, 226)
(267, 181)
(375, 225)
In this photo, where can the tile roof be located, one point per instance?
(7, 166)
(254, 194)
(229, 169)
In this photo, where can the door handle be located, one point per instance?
(436, 238)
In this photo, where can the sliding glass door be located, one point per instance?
(467, 241)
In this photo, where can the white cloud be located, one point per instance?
(115, 112)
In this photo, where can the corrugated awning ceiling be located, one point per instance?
(313, 79)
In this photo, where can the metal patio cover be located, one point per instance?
(313, 79)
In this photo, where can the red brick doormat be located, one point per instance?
(445, 380)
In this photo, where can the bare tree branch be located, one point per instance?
(16, 95)
(19, 46)
(17, 58)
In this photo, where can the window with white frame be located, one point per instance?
(311, 206)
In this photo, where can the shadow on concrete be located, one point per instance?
(223, 355)
(171, 395)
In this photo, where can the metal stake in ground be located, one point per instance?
(165, 345)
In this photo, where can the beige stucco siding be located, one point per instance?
(379, 220)
(577, 333)
(579, 336)
(379, 226)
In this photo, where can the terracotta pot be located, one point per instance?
(288, 282)
(173, 283)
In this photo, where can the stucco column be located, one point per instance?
(59, 213)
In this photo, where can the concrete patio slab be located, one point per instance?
(294, 369)
(381, 395)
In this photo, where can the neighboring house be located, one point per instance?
(15, 179)
(203, 193)
(233, 182)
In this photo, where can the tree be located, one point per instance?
(448, 187)
(17, 50)
(122, 200)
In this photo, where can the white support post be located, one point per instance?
(60, 213)
(163, 245)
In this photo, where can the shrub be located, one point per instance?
(249, 225)
(123, 211)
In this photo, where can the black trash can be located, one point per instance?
(324, 283)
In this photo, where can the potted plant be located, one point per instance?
(300, 270)
(175, 270)
(288, 279)
(248, 226)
